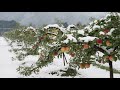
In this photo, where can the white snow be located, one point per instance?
(96, 27)
(55, 26)
(94, 72)
(70, 26)
(95, 21)
(7, 66)
(63, 29)
(116, 65)
(29, 60)
(70, 37)
(102, 33)
(99, 53)
(51, 25)
(108, 51)
(30, 27)
(88, 28)
(81, 32)
(86, 39)
(109, 33)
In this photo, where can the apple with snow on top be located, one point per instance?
(99, 41)
(111, 58)
(85, 46)
(106, 31)
(108, 43)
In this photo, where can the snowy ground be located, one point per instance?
(116, 65)
(8, 67)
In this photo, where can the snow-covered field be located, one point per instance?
(8, 67)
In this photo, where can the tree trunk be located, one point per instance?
(111, 69)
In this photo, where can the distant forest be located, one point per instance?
(7, 25)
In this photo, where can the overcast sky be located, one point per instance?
(39, 18)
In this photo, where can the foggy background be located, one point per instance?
(40, 18)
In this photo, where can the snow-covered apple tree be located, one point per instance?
(83, 45)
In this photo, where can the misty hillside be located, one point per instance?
(7, 25)
(40, 18)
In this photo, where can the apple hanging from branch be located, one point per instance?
(108, 43)
(72, 54)
(99, 41)
(55, 53)
(65, 49)
(106, 31)
(82, 65)
(87, 65)
(111, 58)
(85, 46)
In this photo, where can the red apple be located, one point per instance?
(41, 38)
(82, 65)
(111, 58)
(106, 31)
(55, 53)
(34, 47)
(85, 46)
(87, 65)
(72, 54)
(99, 41)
